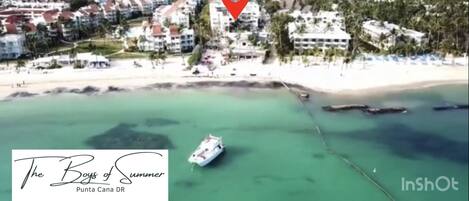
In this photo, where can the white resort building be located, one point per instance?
(11, 46)
(145, 7)
(88, 60)
(159, 38)
(383, 34)
(169, 29)
(171, 14)
(49, 4)
(242, 47)
(221, 19)
(321, 30)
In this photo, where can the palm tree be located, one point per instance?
(280, 34)
(162, 56)
(329, 27)
(381, 40)
(73, 54)
(91, 46)
(31, 44)
(301, 29)
(124, 24)
(152, 56)
(102, 32)
(348, 58)
(20, 64)
(329, 55)
(141, 42)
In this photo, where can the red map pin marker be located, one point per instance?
(235, 8)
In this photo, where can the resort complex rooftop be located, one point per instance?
(383, 34)
(321, 30)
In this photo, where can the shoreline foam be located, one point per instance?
(353, 80)
(94, 90)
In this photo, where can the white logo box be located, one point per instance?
(91, 175)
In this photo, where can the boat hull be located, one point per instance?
(206, 161)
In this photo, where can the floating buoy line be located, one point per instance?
(326, 145)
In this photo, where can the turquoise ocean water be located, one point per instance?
(273, 151)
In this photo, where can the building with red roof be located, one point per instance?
(173, 39)
(110, 11)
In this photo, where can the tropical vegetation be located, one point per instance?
(195, 56)
(156, 57)
(445, 22)
(201, 25)
(279, 30)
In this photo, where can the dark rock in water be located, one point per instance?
(451, 107)
(364, 108)
(123, 136)
(336, 108)
(90, 90)
(241, 84)
(75, 91)
(389, 110)
(160, 122)
(57, 90)
(247, 84)
(21, 94)
(303, 96)
(160, 86)
(185, 183)
(115, 89)
(87, 90)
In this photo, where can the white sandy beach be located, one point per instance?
(334, 78)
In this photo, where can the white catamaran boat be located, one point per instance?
(208, 150)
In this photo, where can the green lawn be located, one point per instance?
(61, 47)
(137, 21)
(101, 47)
(130, 55)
